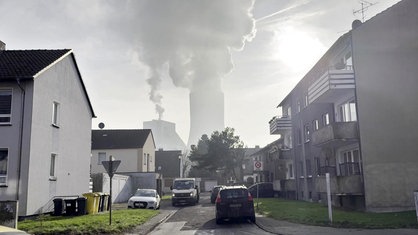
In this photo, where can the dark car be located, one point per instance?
(214, 193)
(234, 202)
(265, 189)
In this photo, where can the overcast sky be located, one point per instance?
(127, 50)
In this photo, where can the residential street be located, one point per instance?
(200, 219)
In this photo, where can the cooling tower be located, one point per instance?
(165, 135)
(206, 114)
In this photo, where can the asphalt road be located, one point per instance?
(200, 219)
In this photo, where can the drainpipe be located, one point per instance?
(305, 177)
(19, 161)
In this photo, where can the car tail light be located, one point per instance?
(250, 198)
(218, 199)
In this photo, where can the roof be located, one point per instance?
(26, 64)
(120, 139)
(29, 64)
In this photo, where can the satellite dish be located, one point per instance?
(101, 125)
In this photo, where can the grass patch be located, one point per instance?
(166, 197)
(122, 221)
(317, 214)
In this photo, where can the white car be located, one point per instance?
(145, 198)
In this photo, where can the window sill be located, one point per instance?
(52, 178)
(6, 124)
(55, 125)
(3, 186)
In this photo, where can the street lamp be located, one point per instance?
(181, 166)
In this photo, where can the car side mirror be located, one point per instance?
(171, 187)
(195, 187)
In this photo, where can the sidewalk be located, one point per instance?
(288, 228)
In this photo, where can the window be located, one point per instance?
(308, 168)
(318, 165)
(315, 124)
(325, 119)
(347, 112)
(101, 158)
(306, 101)
(55, 113)
(52, 169)
(289, 111)
(350, 162)
(4, 155)
(302, 172)
(306, 133)
(145, 159)
(5, 106)
(290, 173)
(298, 106)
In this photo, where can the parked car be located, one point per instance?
(265, 189)
(145, 198)
(214, 192)
(234, 202)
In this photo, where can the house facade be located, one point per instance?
(45, 126)
(134, 147)
(353, 116)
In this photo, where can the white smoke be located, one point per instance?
(194, 38)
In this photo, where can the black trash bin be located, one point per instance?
(81, 205)
(58, 206)
(70, 206)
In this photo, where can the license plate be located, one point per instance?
(141, 204)
(235, 205)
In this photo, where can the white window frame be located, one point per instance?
(3, 177)
(53, 167)
(100, 158)
(347, 111)
(325, 119)
(55, 113)
(7, 115)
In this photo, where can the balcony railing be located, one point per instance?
(333, 83)
(352, 184)
(349, 168)
(285, 153)
(280, 125)
(336, 134)
(327, 169)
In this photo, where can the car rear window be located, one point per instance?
(233, 193)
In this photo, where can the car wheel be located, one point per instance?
(219, 221)
(252, 219)
(173, 204)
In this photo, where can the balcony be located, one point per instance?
(341, 185)
(336, 134)
(286, 154)
(280, 125)
(331, 85)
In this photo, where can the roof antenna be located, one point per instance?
(364, 7)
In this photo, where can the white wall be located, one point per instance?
(128, 157)
(71, 141)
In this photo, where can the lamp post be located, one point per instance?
(181, 166)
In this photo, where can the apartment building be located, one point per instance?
(354, 115)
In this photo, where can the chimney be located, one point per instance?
(2, 46)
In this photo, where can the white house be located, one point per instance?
(45, 128)
(134, 147)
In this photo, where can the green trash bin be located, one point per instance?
(92, 204)
(105, 201)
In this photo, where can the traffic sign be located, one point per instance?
(258, 165)
(111, 166)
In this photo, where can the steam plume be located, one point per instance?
(194, 38)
